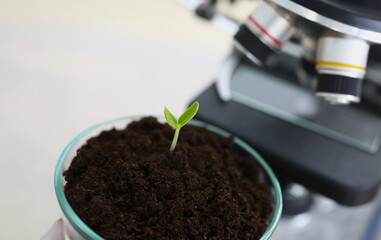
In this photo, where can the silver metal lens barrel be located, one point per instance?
(342, 56)
(341, 66)
(264, 32)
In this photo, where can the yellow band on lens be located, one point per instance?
(336, 64)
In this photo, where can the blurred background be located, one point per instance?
(66, 65)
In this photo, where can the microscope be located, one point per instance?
(303, 87)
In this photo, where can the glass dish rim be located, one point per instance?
(79, 225)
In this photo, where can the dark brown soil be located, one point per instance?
(125, 184)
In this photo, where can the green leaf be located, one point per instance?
(179, 123)
(188, 115)
(170, 118)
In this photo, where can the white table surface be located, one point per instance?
(66, 65)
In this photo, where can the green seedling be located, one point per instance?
(179, 123)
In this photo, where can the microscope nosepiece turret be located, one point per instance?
(343, 31)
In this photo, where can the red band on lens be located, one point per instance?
(276, 41)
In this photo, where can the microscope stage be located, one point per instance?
(345, 173)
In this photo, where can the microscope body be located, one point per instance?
(287, 53)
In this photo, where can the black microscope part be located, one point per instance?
(294, 205)
(205, 11)
(330, 83)
(253, 44)
(364, 14)
(308, 66)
